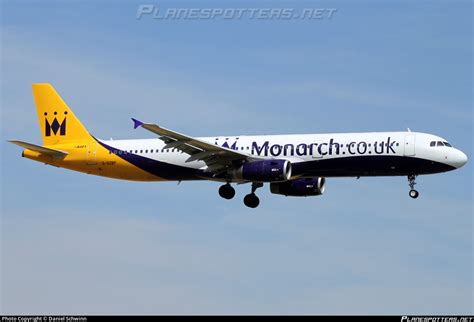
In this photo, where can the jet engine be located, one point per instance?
(300, 187)
(264, 171)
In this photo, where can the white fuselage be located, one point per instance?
(373, 153)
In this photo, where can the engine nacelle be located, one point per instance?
(300, 187)
(264, 171)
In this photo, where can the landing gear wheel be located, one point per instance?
(251, 200)
(411, 182)
(413, 193)
(226, 191)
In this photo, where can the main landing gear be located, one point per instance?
(251, 200)
(411, 182)
(226, 191)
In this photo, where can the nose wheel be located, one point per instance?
(251, 200)
(414, 194)
(411, 182)
(227, 191)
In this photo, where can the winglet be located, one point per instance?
(136, 123)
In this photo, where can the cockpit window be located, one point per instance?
(440, 143)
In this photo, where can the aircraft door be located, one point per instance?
(409, 149)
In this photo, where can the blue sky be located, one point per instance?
(72, 243)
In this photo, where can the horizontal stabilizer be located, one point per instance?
(39, 149)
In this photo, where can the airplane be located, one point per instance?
(293, 165)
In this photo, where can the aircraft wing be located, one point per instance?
(217, 158)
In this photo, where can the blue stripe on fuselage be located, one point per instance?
(161, 169)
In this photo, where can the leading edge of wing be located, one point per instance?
(193, 146)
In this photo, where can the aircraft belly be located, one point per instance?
(368, 166)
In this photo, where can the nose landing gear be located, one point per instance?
(251, 200)
(411, 182)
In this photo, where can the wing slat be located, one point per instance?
(217, 158)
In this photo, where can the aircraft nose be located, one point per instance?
(460, 159)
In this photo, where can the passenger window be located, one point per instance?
(433, 143)
(440, 144)
(141, 151)
(136, 151)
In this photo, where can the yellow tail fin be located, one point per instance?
(58, 123)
